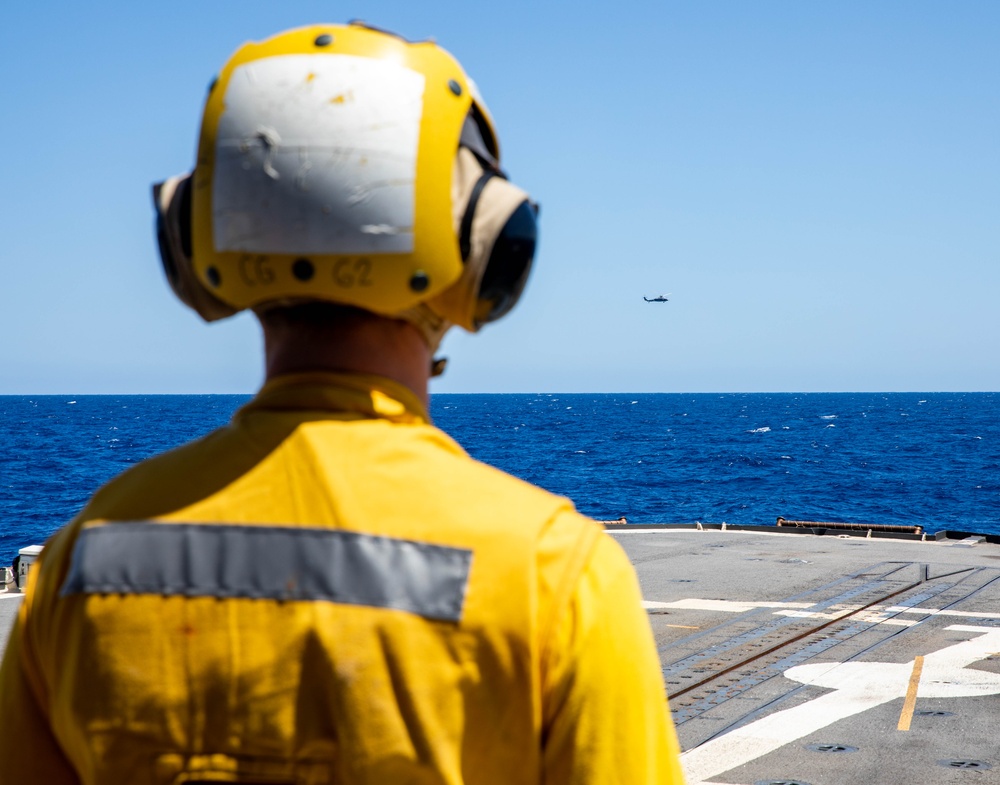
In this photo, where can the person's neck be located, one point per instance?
(383, 347)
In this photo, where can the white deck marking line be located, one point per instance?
(899, 609)
(797, 609)
(872, 615)
(882, 610)
(856, 687)
(938, 612)
(628, 529)
(726, 606)
(906, 715)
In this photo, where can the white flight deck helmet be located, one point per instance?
(346, 164)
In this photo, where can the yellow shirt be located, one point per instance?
(329, 590)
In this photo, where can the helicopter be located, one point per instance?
(661, 299)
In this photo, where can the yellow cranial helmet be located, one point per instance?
(346, 164)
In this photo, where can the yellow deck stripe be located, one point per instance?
(911, 694)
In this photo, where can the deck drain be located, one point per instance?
(965, 764)
(932, 713)
(830, 748)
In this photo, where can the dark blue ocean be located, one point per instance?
(901, 458)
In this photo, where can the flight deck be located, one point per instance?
(823, 658)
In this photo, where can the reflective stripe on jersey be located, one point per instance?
(270, 562)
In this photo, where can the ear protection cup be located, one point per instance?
(497, 234)
(510, 262)
(172, 199)
(513, 248)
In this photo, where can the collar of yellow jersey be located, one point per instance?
(363, 395)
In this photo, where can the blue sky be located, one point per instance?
(817, 185)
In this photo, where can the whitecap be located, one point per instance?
(786, 457)
(765, 429)
(828, 416)
(579, 452)
(831, 425)
(635, 402)
(69, 402)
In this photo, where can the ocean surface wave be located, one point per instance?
(931, 459)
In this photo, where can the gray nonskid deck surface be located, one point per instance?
(9, 605)
(790, 658)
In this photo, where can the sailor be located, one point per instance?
(329, 589)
